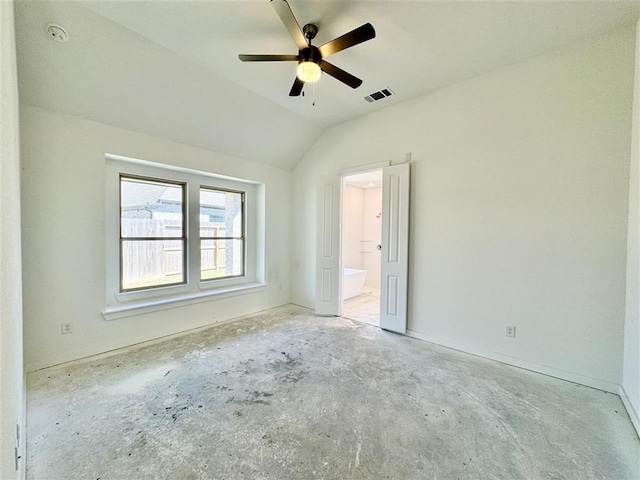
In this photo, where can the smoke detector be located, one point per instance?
(57, 33)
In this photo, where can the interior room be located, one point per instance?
(174, 232)
(361, 246)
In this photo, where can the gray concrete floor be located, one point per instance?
(286, 395)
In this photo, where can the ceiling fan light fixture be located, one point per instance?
(309, 71)
(311, 59)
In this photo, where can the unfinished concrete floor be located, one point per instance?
(286, 395)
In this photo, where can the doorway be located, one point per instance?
(394, 259)
(361, 246)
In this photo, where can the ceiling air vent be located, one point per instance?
(375, 96)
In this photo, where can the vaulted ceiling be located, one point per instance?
(171, 69)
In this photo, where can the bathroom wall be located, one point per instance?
(372, 230)
(352, 215)
(361, 230)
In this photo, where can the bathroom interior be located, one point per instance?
(361, 250)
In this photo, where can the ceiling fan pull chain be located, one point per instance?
(313, 89)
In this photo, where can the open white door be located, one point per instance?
(328, 274)
(395, 248)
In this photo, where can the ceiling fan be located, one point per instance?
(310, 58)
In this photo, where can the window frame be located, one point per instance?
(135, 302)
(242, 237)
(185, 242)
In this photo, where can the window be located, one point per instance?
(176, 235)
(152, 233)
(221, 233)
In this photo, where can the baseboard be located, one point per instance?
(122, 345)
(633, 414)
(517, 362)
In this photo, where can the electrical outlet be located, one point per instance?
(510, 331)
(66, 328)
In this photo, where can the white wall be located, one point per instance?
(110, 74)
(361, 231)
(12, 398)
(519, 208)
(372, 231)
(64, 237)
(352, 214)
(631, 370)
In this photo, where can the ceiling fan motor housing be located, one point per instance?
(310, 54)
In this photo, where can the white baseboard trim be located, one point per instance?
(122, 345)
(517, 362)
(633, 414)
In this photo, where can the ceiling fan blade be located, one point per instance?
(296, 89)
(354, 37)
(283, 10)
(268, 58)
(339, 74)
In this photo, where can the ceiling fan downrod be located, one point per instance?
(309, 31)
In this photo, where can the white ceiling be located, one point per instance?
(364, 180)
(173, 70)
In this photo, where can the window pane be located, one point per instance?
(221, 258)
(220, 213)
(150, 209)
(152, 263)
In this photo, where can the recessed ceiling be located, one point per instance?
(171, 69)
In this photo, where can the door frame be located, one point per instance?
(329, 266)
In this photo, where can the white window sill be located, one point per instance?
(155, 304)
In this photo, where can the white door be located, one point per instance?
(395, 248)
(328, 268)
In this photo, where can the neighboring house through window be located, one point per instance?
(152, 233)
